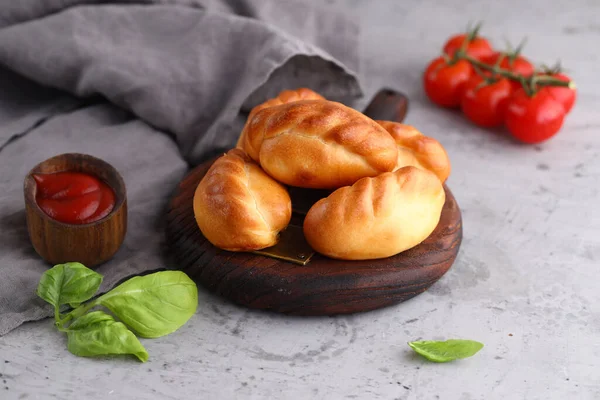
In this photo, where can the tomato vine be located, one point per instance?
(500, 87)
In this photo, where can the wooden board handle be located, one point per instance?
(388, 105)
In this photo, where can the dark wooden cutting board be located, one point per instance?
(323, 286)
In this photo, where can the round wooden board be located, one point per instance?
(323, 286)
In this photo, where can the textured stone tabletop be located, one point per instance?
(525, 283)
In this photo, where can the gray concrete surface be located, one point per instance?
(525, 283)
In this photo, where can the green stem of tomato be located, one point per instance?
(472, 35)
(532, 82)
(549, 81)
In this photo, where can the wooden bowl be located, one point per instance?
(90, 244)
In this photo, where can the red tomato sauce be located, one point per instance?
(74, 197)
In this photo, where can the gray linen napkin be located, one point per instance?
(152, 88)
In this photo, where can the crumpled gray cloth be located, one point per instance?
(152, 87)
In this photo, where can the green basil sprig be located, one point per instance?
(445, 351)
(153, 305)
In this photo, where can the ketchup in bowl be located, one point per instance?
(74, 197)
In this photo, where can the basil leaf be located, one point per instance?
(89, 319)
(449, 350)
(97, 333)
(153, 305)
(71, 283)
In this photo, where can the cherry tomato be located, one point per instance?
(484, 104)
(476, 48)
(563, 95)
(443, 82)
(533, 119)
